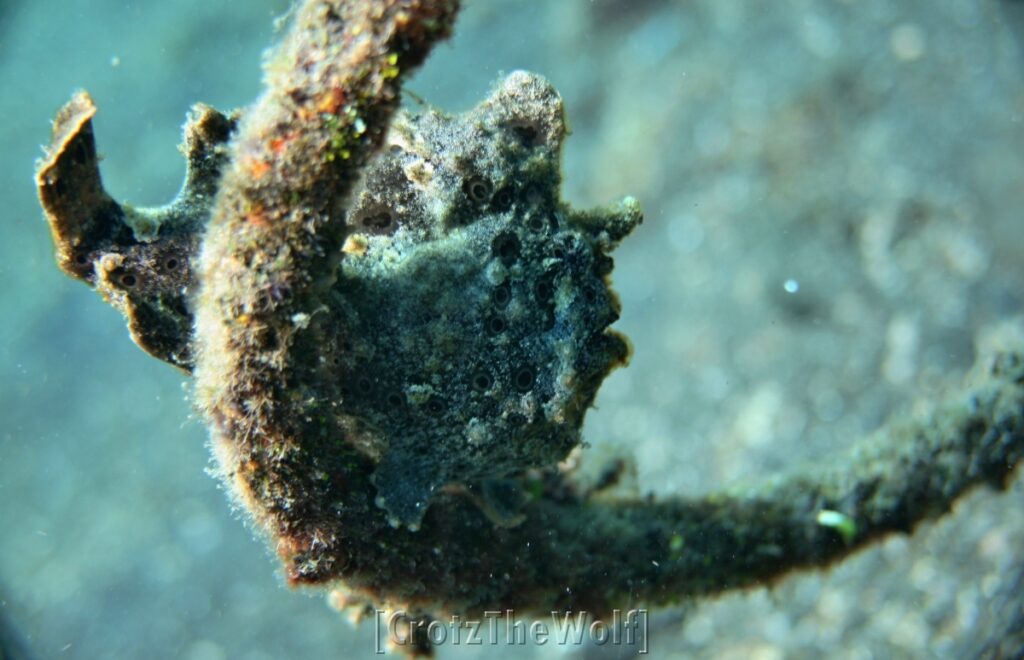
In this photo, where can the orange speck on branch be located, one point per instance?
(331, 101)
(258, 168)
(257, 219)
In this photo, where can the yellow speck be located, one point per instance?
(356, 244)
(420, 172)
(111, 262)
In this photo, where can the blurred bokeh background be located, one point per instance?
(834, 195)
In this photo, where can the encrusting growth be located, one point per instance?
(396, 328)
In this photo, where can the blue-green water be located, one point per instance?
(833, 195)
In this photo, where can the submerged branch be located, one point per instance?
(907, 472)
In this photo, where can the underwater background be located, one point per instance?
(834, 197)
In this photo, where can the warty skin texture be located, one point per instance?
(493, 341)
